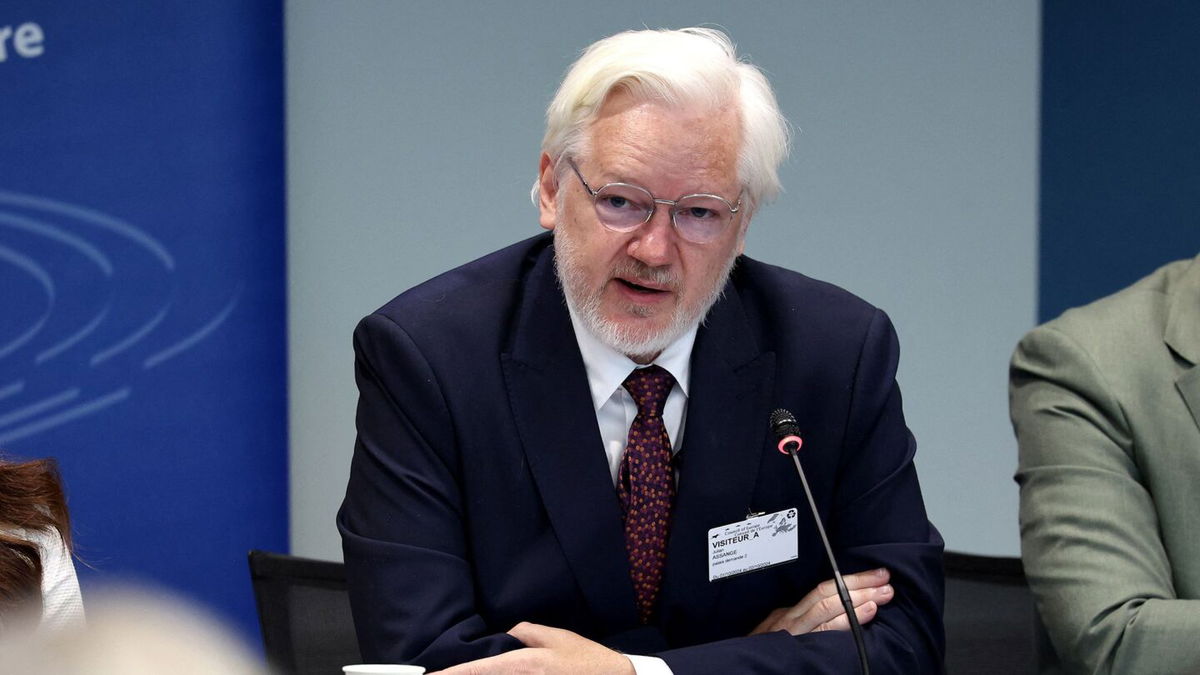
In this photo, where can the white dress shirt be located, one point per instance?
(615, 409)
(62, 604)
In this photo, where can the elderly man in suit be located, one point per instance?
(1106, 406)
(551, 438)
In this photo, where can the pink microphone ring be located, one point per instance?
(788, 440)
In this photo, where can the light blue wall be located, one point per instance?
(413, 134)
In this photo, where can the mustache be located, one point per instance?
(637, 270)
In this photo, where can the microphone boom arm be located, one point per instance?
(784, 426)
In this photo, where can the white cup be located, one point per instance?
(383, 669)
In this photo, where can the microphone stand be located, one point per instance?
(843, 592)
(784, 425)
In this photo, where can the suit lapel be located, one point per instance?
(552, 408)
(718, 463)
(1183, 336)
(1189, 387)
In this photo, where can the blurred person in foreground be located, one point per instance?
(133, 631)
(1106, 408)
(548, 436)
(38, 586)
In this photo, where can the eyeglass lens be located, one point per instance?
(698, 218)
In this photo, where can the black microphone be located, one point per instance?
(787, 432)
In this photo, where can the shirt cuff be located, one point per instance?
(649, 665)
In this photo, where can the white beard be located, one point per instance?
(585, 301)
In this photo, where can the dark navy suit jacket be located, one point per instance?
(480, 496)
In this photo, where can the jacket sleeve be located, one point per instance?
(410, 580)
(878, 520)
(1089, 530)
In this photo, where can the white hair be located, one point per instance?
(685, 66)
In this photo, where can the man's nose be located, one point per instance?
(654, 241)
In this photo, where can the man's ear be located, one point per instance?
(547, 193)
(745, 227)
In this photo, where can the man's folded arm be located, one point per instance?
(879, 520)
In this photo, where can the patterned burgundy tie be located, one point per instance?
(646, 486)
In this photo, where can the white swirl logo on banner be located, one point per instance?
(90, 303)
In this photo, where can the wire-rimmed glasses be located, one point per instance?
(622, 207)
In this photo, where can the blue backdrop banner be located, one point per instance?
(1120, 171)
(142, 321)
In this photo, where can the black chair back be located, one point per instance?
(990, 616)
(304, 611)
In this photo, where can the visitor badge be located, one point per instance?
(754, 543)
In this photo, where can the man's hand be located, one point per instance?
(549, 651)
(822, 609)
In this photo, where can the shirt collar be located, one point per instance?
(607, 368)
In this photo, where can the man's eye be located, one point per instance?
(617, 202)
(699, 213)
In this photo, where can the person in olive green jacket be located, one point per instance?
(1105, 401)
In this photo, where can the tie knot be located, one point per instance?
(649, 388)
